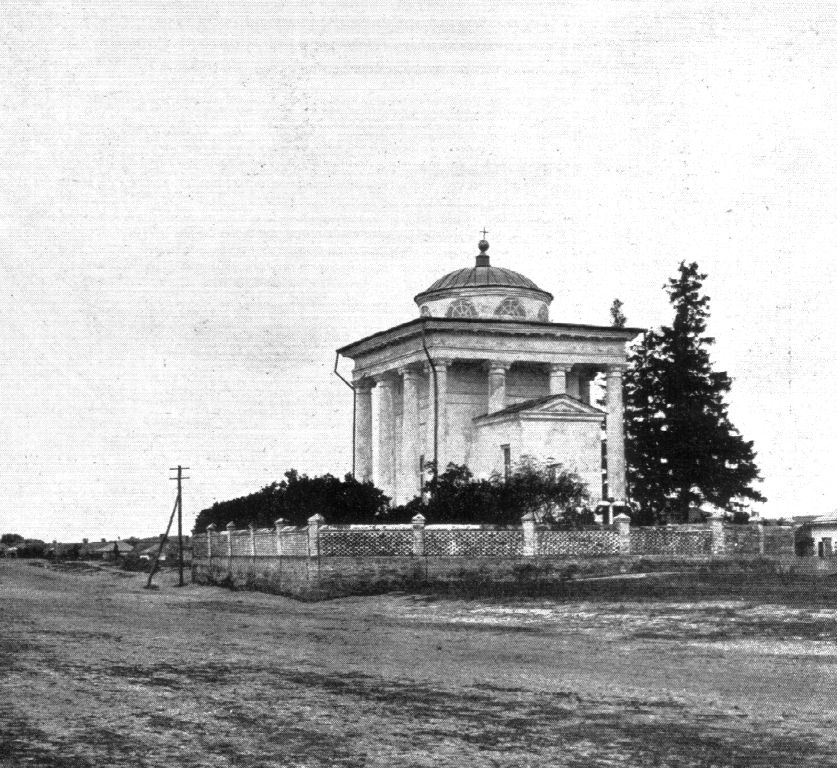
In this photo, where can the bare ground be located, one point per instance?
(96, 671)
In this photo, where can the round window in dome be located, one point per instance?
(462, 308)
(510, 307)
(424, 311)
(543, 313)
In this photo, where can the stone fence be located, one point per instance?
(319, 560)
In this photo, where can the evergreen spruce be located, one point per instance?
(617, 316)
(681, 448)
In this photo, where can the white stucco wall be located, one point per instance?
(827, 531)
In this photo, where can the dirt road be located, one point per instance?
(96, 671)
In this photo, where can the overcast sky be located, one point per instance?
(200, 201)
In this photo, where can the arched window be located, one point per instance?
(424, 311)
(510, 307)
(543, 313)
(462, 308)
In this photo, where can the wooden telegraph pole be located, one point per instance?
(179, 506)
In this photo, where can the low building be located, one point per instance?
(817, 537)
(113, 550)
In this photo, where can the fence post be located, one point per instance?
(210, 529)
(530, 535)
(418, 535)
(230, 529)
(716, 534)
(252, 528)
(623, 531)
(757, 524)
(314, 524)
(279, 525)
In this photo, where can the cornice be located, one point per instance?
(486, 326)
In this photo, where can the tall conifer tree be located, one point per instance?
(681, 447)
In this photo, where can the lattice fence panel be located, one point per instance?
(294, 542)
(670, 541)
(219, 544)
(741, 539)
(576, 543)
(199, 545)
(473, 543)
(778, 541)
(240, 543)
(353, 543)
(265, 542)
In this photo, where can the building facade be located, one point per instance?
(483, 377)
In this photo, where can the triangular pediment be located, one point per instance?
(561, 404)
(552, 406)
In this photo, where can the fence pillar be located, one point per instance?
(314, 524)
(623, 531)
(530, 535)
(757, 525)
(279, 524)
(418, 535)
(716, 534)
(210, 529)
(230, 529)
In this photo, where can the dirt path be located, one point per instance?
(97, 671)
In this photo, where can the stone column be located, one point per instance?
(584, 388)
(409, 478)
(615, 434)
(441, 367)
(573, 384)
(386, 436)
(363, 430)
(496, 386)
(558, 378)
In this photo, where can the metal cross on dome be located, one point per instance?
(484, 233)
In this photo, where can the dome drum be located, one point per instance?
(497, 304)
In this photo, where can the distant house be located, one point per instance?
(147, 549)
(817, 536)
(112, 550)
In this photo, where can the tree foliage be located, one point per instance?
(10, 539)
(617, 316)
(550, 493)
(681, 447)
(296, 498)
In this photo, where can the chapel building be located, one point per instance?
(483, 377)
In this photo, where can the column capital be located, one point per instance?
(497, 365)
(440, 363)
(385, 380)
(408, 372)
(365, 384)
(560, 367)
(616, 369)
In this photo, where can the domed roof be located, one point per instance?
(483, 275)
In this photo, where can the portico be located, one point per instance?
(483, 388)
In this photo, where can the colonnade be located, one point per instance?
(398, 455)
